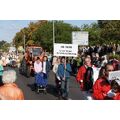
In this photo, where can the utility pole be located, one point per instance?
(24, 42)
(53, 35)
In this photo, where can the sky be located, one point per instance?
(8, 28)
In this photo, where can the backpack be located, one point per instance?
(88, 79)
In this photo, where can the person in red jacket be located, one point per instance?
(102, 86)
(81, 72)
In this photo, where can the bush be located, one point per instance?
(112, 56)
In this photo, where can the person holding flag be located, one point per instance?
(63, 72)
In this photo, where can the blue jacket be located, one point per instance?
(1, 70)
(61, 70)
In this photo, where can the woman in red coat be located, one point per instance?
(81, 72)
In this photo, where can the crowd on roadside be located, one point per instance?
(10, 59)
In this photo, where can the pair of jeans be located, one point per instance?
(65, 87)
(41, 79)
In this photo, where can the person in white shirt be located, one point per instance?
(38, 73)
(54, 60)
(55, 67)
(38, 66)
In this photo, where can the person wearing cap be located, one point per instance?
(10, 90)
(102, 87)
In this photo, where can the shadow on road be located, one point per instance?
(32, 86)
(51, 89)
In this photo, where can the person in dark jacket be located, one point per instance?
(63, 72)
(46, 67)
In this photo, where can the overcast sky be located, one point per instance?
(8, 28)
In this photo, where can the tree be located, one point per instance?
(41, 33)
(30, 42)
(110, 30)
(63, 34)
(18, 40)
(4, 45)
(94, 33)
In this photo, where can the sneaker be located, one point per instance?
(89, 98)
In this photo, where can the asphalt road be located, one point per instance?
(26, 84)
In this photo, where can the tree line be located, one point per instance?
(41, 33)
(4, 45)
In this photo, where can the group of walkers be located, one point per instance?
(41, 69)
(90, 69)
(62, 70)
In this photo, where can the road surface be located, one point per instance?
(27, 84)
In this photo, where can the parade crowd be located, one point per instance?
(90, 69)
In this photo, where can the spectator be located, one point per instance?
(118, 49)
(97, 61)
(104, 60)
(10, 89)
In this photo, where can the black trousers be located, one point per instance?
(1, 83)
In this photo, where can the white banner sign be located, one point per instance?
(68, 50)
(114, 75)
(80, 38)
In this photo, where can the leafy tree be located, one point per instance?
(4, 45)
(110, 30)
(41, 33)
(63, 34)
(94, 33)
